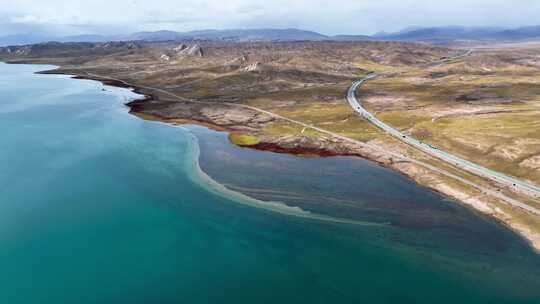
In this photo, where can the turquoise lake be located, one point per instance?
(98, 206)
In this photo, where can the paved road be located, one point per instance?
(434, 151)
(447, 59)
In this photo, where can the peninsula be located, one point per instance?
(478, 103)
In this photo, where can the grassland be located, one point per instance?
(485, 108)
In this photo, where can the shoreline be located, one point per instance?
(213, 186)
(106, 81)
(204, 180)
(477, 203)
(135, 110)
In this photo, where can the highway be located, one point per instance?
(466, 165)
(447, 59)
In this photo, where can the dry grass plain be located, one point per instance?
(484, 108)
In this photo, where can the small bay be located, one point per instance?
(98, 206)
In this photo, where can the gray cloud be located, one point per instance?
(331, 17)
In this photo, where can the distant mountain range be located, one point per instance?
(453, 33)
(214, 35)
(427, 34)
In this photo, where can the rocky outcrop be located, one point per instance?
(193, 50)
(117, 45)
(16, 50)
(531, 162)
(253, 67)
(180, 48)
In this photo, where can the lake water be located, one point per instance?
(98, 206)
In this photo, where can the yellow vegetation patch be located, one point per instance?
(243, 139)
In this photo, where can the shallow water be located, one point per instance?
(97, 206)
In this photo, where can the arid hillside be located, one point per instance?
(307, 80)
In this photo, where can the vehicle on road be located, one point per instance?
(433, 151)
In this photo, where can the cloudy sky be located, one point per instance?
(328, 17)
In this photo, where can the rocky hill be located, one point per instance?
(456, 33)
(233, 35)
(67, 50)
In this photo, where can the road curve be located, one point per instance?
(433, 151)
